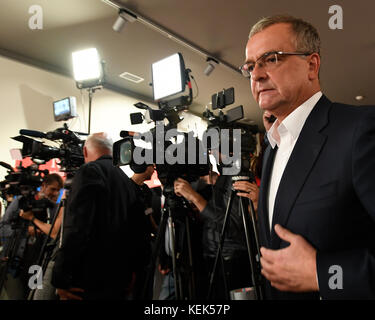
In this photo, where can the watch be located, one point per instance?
(33, 219)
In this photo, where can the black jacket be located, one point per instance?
(326, 195)
(212, 221)
(102, 233)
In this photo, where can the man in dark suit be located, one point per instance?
(102, 230)
(316, 206)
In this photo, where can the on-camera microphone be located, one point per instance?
(7, 166)
(33, 133)
(56, 135)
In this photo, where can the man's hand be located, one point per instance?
(292, 268)
(184, 189)
(163, 271)
(27, 215)
(31, 231)
(250, 189)
(69, 294)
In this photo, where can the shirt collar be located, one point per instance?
(294, 122)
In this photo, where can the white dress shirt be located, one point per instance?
(285, 135)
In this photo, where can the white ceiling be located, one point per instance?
(218, 27)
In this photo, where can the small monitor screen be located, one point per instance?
(64, 109)
(61, 107)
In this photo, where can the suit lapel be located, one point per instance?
(300, 164)
(269, 156)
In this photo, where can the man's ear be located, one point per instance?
(85, 152)
(314, 66)
(43, 186)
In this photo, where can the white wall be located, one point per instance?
(26, 96)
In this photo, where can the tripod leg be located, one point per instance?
(11, 252)
(219, 250)
(173, 254)
(253, 263)
(155, 252)
(43, 258)
(257, 247)
(191, 276)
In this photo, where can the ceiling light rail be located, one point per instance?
(170, 35)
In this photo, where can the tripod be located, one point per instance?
(183, 275)
(47, 249)
(10, 254)
(251, 242)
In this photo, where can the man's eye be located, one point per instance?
(271, 59)
(250, 67)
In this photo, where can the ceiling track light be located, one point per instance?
(117, 4)
(123, 17)
(210, 66)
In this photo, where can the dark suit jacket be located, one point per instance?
(327, 195)
(103, 240)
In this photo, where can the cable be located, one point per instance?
(196, 85)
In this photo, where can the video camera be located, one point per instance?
(175, 154)
(25, 182)
(231, 139)
(70, 150)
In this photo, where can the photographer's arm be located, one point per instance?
(184, 189)
(44, 227)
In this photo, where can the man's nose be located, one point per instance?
(258, 73)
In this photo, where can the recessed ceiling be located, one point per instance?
(218, 27)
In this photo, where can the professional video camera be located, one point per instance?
(25, 182)
(229, 137)
(6, 189)
(176, 154)
(69, 151)
(235, 142)
(183, 157)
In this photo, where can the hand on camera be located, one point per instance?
(182, 188)
(27, 215)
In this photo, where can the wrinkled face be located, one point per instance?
(284, 86)
(50, 191)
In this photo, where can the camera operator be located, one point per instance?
(234, 251)
(29, 241)
(100, 233)
(144, 196)
(47, 292)
(193, 276)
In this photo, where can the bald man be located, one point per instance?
(95, 260)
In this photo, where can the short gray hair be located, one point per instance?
(100, 141)
(307, 37)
